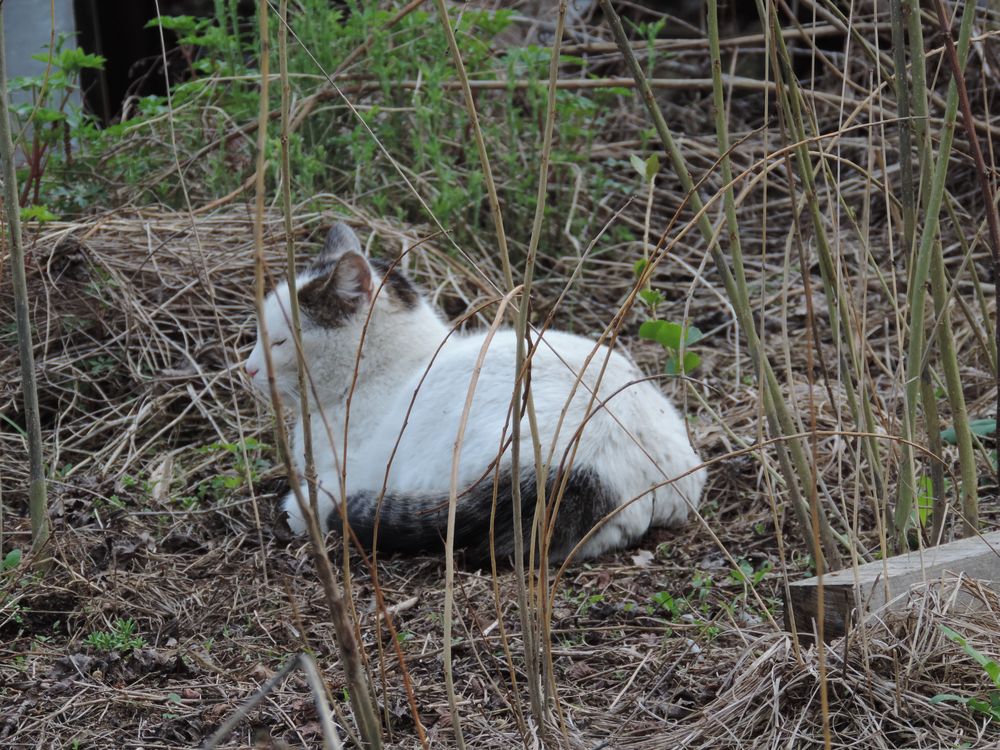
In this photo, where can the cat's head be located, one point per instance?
(338, 294)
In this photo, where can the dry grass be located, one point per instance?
(222, 602)
(143, 318)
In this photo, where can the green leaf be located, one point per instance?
(991, 667)
(980, 427)
(11, 560)
(977, 704)
(74, 59)
(639, 267)
(691, 361)
(651, 297)
(647, 168)
(925, 499)
(37, 213)
(742, 572)
(993, 670)
(666, 334)
(652, 167)
(180, 24)
(638, 165)
(942, 697)
(45, 114)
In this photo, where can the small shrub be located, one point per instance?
(120, 639)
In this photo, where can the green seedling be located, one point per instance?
(990, 705)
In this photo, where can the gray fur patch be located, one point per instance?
(396, 283)
(330, 299)
(418, 523)
(340, 239)
(323, 305)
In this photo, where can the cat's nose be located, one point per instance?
(251, 371)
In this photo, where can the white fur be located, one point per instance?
(636, 442)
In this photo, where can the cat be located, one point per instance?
(633, 446)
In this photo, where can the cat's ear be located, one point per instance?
(340, 240)
(338, 292)
(352, 276)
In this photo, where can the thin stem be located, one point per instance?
(293, 297)
(360, 693)
(986, 185)
(917, 292)
(541, 468)
(37, 494)
(778, 416)
(495, 212)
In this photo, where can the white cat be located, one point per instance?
(632, 450)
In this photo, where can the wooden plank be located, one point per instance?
(850, 593)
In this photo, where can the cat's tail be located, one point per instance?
(411, 523)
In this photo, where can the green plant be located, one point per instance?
(406, 95)
(978, 427)
(37, 213)
(702, 584)
(745, 574)
(49, 122)
(121, 638)
(245, 464)
(675, 338)
(990, 706)
(665, 602)
(10, 561)
(647, 169)
(583, 600)
(175, 700)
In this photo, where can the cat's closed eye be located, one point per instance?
(279, 342)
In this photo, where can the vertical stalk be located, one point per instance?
(970, 503)
(939, 506)
(38, 501)
(909, 228)
(293, 298)
(956, 397)
(814, 507)
(524, 611)
(794, 462)
(949, 361)
(841, 313)
(541, 468)
(360, 692)
(902, 86)
(921, 267)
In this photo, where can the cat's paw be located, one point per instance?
(293, 512)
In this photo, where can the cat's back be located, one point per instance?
(564, 368)
(558, 360)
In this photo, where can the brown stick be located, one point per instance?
(350, 657)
